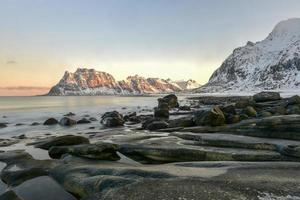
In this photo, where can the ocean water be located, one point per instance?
(26, 110)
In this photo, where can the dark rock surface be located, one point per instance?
(112, 119)
(66, 121)
(51, 121)
(60, 141)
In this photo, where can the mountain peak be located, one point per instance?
(271, 64)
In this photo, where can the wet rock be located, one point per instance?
(155, 125)
(209, 117)
(133, 118)
(293, 100)
(93, 119)
(9, 195)
(293, 109)
(243, 117)
(20, 124)
(21, 167)
(70, 114)
(243, 103)
(230, 108)
(83, 121)
(148, 121)
(231, 118)
(291, 150)
(51, 121)
(185, 108)
(165, 153)
(266, 96)
(171, 100)
(250, 111)
(35, 124)
(21, 137)
(112, 119)
(3, 125)
(265, 114)
(181, 122)
(7, 142)
(61, 141)
(99, 151)
(161, 112)
(66, 121)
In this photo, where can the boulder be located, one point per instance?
(83, 121)
(66, 121)
(155, 125)
(293, 100)
(161, 113)
(209, 117)
(35, 124)
(231, 118)
(243, 103)
(293, 109)
(69, 114)
(61, 141)
(93, 119)
(250, 111)
(181, 122)
(51, 121)
(266, 96)
(112, 119)
(99, 151)
(229, 108)
(265, 114)
(3, 125)
(171, 100)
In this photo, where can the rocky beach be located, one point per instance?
(237, 147)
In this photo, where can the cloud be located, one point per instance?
(11, 62)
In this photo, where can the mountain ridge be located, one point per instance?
(91, 82)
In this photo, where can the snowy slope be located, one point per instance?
(271, 64)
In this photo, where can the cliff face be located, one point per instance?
(271, 64)
(91, 82)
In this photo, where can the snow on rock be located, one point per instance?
(91, 82)
(271, 64)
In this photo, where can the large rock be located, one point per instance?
(61, 141)
(51, 121)
(171, 100)
(266, 96)
(83, 121)
(155, 125)
(9, 195)
(99, 151)
(3, 125)
(112, 119)
(181, 122)
(66, 121)
(250, 111)
(209, 117)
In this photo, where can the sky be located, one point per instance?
(177, 39)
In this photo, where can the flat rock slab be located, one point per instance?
(236, 141)
(208, 180)
(282, 127)
(183, 153)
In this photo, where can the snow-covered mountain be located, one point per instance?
(271, 64)
(187, 85)
(91, 82)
